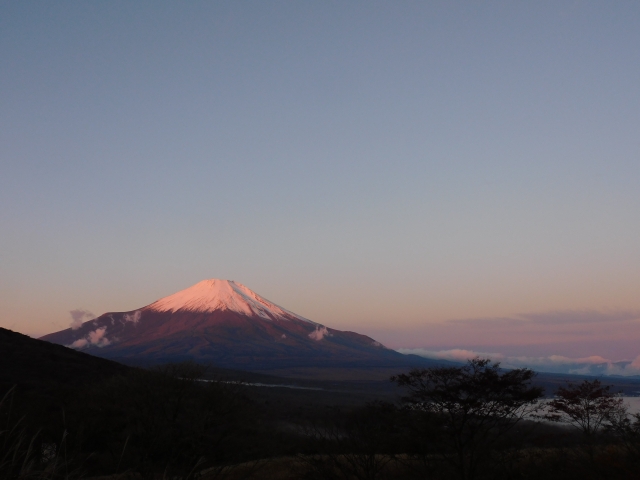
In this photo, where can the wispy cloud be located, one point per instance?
(319, 333)
(557, 317)
(78, 316)
(133, 317)
(454, 354)
(564, 317)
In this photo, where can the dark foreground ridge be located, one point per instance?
(75, 416)
(37, 365)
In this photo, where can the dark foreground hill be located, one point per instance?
(38, 366)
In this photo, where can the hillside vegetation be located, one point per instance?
(475, 421)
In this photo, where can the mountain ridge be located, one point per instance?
(224, 323)
(37, 365)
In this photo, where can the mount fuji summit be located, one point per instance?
(226, 324)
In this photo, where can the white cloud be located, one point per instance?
(319, 333)
(592, 365)
(97, 337)
(78, 316)
(80, 343)
(133, 317)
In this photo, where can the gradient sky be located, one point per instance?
(427, 173)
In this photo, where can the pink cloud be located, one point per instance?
(577, 334)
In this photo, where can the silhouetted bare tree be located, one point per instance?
(588, 406)
(591, 408)
(476, 405)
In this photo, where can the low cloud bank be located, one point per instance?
(522, 340)
(593, 365)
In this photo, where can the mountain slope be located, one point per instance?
(35, 365)
(225, 323)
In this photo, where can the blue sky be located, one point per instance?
(375, 166)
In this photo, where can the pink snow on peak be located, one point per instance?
(214, 294)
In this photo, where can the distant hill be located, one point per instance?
(628, 386)
(224, 323)
(42, 367)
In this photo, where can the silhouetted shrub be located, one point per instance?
(473, 407)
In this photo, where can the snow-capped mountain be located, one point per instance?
(214, 294)
(224, 323)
